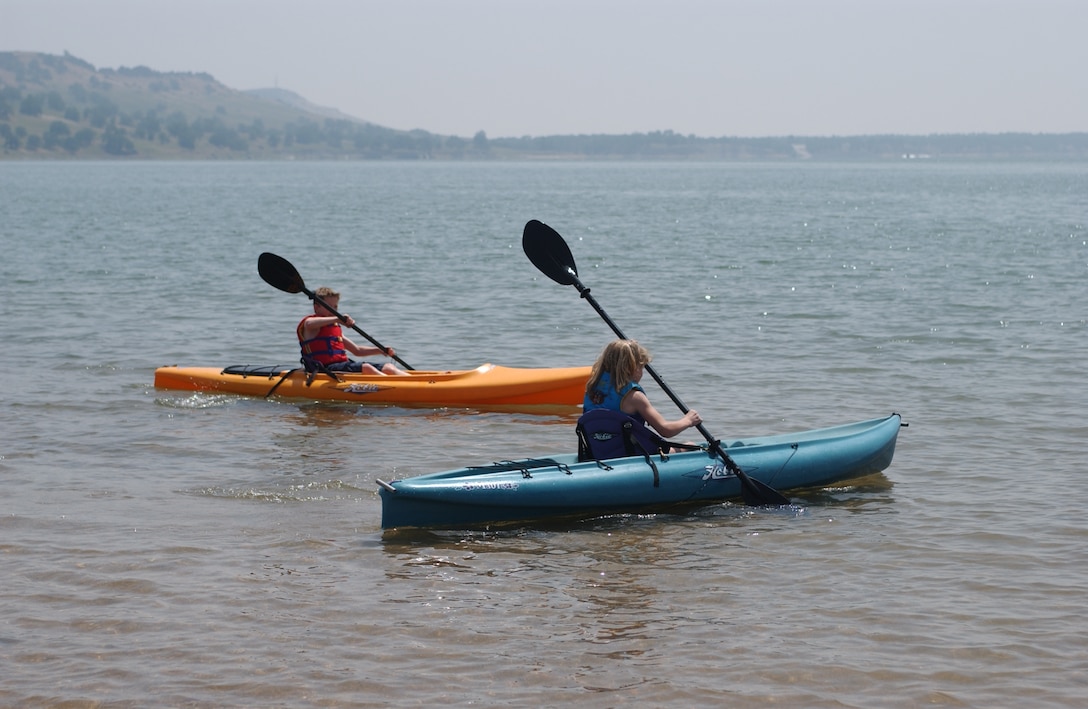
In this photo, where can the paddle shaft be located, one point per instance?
(385, 350)
(550, 253)
(754, 492)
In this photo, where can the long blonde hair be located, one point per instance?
(620, 358)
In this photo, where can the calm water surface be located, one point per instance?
(159, 548)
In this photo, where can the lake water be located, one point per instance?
(167, 549)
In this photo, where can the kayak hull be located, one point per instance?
(488, 385)
(561, 487)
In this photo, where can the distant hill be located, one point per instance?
(61, 107)
(290, 98)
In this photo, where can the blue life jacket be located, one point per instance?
(605, 396)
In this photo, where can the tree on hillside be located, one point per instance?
(55, 134)
(11, 141)
(54, 101)
(147, 125)
(178, 126)
(304, 132)
(116, 142)
(223, 136)
(82, 139)
(101, 111)
(32, 105)
(9, 97)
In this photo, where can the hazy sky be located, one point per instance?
(546, 67)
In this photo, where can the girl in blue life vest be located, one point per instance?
(323, 342)
(614, 385)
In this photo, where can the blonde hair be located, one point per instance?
(620, 358)
(326, 292)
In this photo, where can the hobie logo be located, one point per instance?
(362, 389)
(716, 472)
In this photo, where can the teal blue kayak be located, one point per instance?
(560, 487)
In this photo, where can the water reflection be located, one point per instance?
(859, 495)
(332, 414)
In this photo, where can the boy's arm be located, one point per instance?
(312, 325)
(361, 351)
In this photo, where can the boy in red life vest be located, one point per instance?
(323, 341)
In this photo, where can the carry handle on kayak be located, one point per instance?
(551, 255)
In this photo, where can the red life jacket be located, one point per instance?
(326, 347)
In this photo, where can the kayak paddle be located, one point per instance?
(279, 273)
(551, 255)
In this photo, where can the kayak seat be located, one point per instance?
(312, 367)
(604, 434)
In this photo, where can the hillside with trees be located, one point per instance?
(61, 107)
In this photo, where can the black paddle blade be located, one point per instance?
(279, 273)
(754, 492)
(549, 253)
(758, 494)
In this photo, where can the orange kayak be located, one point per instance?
(488, 385)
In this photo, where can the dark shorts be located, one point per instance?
(352, 366)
